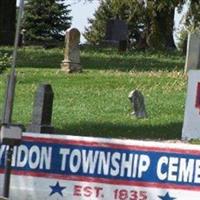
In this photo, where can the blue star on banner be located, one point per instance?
(166, 197)
(56, 189)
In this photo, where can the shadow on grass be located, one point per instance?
(131, 63)
(125, 64)
(167, 132)
(39, 59)
(103, 59)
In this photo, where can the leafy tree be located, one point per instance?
(110, 9)
(46, 20)
(161, 14)
(5, 61)
(95, 33)
(193, 15)
(151, 23)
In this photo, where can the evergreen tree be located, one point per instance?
(7, 21)
(46, 20)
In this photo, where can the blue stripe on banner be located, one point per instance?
(105, 162)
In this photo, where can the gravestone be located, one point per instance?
(193, 52)
(117, 31)
(138, 105)
(42, 110)
(71, 62)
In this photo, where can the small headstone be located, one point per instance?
(71, 62)
(42, 110)
(138, 105)
(193, 52)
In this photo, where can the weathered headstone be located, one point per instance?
(42, 110)
(71, 62)
(193, 52)
(138, 105)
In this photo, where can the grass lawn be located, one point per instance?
(95, 102)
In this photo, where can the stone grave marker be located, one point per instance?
(138, 105)
(71, 62)
(193, 52)
(42, 110)
(117, 31)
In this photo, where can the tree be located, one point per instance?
(193, 15)
(7, 21)
(151, 22)
(110, 9)
(95, 33)
(46, 20)
(161, 14)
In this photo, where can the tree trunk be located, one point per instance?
(162, 27)
(168, 28)
(7, 21)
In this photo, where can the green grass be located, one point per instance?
(95, 102)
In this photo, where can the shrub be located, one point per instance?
(5, 61)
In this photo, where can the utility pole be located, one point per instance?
(11, 134)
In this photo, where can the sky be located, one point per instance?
(81, 10)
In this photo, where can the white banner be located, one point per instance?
(82, 168)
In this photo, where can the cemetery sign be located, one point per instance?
(70, 167)
(191, 125)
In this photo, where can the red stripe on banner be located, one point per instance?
(106, 181)
(197, 103)
(109, 145)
